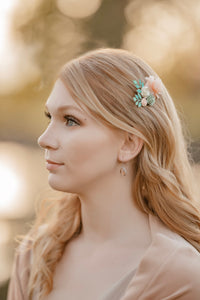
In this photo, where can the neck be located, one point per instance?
(110, 216)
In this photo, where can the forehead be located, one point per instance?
(60, 96)
(60, 99)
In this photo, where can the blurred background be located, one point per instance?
(36, 38)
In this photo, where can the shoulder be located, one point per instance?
(170, 268)
(174, 270)
(20, 271)
(23, 260)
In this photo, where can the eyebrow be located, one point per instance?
(65, 107)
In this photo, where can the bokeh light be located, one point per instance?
(10, 185)
(19, 167)
(158, 32)
(78, 8)
(12, 50)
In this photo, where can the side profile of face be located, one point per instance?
(83, 150)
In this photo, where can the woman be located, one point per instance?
(128, 226)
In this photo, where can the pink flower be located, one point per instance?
(154, 84)
(144, 102)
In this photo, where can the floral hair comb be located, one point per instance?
(147, 93)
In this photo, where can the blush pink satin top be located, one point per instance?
(169, 270)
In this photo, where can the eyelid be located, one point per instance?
(66, 117)
(47, 114)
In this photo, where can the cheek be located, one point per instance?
(91, 150)
(88, 156)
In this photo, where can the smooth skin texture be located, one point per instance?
(91, 154)
(114, 231)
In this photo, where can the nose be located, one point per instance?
(48, 140)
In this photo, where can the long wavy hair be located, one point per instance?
(102, 80)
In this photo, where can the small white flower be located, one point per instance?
(144, 101)
(145, 92)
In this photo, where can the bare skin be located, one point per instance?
(115, 232)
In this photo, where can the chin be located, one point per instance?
(60, 185)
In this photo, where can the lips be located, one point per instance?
(52, 165)
(53, 162)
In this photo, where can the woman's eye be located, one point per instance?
(70, 119)
(48, 116)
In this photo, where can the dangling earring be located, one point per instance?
(123, 171)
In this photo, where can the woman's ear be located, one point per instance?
(130, 147)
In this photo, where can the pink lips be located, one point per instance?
(52, 165)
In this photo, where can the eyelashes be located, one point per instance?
(47, 115)
(68, 118)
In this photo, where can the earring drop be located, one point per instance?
(123, 171)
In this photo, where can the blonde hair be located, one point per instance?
(102, 80)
